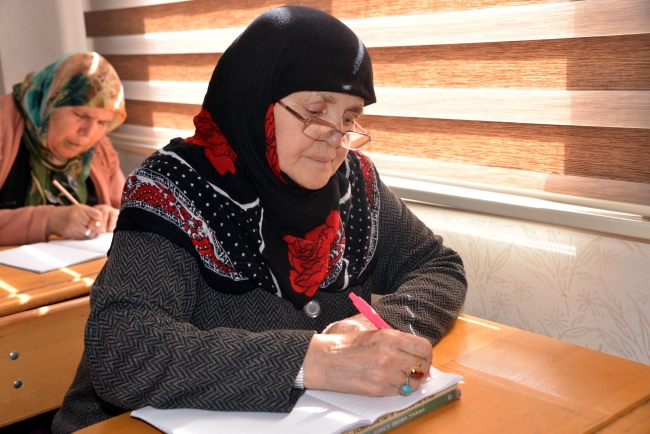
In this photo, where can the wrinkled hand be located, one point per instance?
(73, 221)
(109, 217)
(70, 222)
(363, 362)
(353, 325)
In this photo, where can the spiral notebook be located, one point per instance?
(316, 412)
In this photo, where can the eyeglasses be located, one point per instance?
(318, 129)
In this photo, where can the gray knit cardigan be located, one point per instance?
(158, 335)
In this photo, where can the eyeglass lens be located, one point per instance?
(320, 130)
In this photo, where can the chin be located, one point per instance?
(313, 184)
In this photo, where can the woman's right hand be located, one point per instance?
(72, 221)
(370, 363)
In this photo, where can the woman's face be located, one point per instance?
(311, 163)
(74, 129)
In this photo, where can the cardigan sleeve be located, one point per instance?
(423, 282)
(27, 224)
(24, 225)
(143, 349)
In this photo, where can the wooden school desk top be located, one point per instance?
(21, 290)
(516, 382)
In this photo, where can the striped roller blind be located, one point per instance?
(540, 96)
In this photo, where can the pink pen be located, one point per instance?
(370, 313)
(367, 311)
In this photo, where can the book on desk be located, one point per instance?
(316, 412)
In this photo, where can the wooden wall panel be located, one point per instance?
(604, 63)
(209, 14)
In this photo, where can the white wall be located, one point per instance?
(129, 161)
(34, 33)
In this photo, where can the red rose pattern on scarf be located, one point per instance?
(310, 256)
(217, 150)
(272, 144)
(156, 196)
(311, 262)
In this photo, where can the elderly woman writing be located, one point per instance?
(235, 250)
(52, 130)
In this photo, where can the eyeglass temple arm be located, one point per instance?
(292, 111)
(362, 130)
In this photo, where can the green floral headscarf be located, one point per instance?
(76, 79)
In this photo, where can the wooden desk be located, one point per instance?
(516, 382)
(22, 290)
(42, 319)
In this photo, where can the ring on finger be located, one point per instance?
(87, 233)
(406, 389)
(416, 372)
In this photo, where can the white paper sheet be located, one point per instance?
(42, 257)
(316, 412)
(373, 408)
(100, 244)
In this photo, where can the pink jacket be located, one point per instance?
(27, 224)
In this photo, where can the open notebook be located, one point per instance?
(317, 412)
(42, 257)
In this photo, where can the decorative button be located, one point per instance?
(312, 309)
(13, 355)
(18, 384)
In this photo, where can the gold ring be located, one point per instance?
(416, 372)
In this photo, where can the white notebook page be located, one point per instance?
(100, 244)
(42, 257)
(316, 412)
(308, 412)
(373, 408)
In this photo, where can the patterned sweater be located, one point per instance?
(159, 335)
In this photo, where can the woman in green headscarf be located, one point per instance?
(53, 128)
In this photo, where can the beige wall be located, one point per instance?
(34, 33)
(582, 287)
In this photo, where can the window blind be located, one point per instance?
(540, 96)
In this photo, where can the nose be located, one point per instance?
(87, 127)
(334, 139)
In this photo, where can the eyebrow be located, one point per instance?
(327, 97)
(356, 109)
(83, 113)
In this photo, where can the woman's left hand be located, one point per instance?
(109, 217)
(352, 326)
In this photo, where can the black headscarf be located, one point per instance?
(220, 194)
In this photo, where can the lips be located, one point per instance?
(321, 159)
(73, 145)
